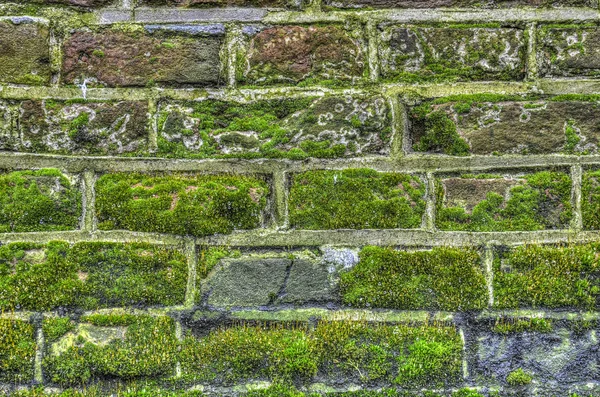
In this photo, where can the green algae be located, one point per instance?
(42, 200)
(440, 279)
(179, 204)
(590, 200)
(519, 377)
(17, 350)
(508, 326)
(356, 199)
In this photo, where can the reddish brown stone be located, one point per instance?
(136, 59)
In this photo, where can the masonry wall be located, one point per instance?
(299, 198)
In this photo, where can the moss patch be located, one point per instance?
(356, 199)
(440, 279)
(17, 350)
(186, 205)
(439, 132)
(547, 276)
(590, 200)
(89, 275)
(519, 377)
(43, 200)
(509, 326)
(145, 348)
(536, 201)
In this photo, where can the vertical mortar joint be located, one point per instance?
(38, 375)
(531, 66)
(89, 201)
(429, 219)
(281, 199)
(192, 258)
(488, 262)
(576, 178)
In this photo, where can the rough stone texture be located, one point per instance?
(529, 127)
(409, 53)
(457, 3)
(114, 58)
(308, 282)
(291, 54)
(101, 128)
(467, 193)
(246, 282)
(316, 127)
(79, 3)
(556, 360)
(223, 3)
(570, 51)
(24, 52)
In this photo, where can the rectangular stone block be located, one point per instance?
(291, 4)
(333, 4)
(113, 346)
(74, 127)
(568, 51)
(449, 279)
(180, 204)
(489, 202)
(550, 277)
(498, 124)
(42, 200)
(324, 127)
(89, 276)
(301, 55)
(356, 199)
(345, 351)
(24, 52)
(590, 199)
(419, 53)
(536, 356)
(17, 351)
(177, 55)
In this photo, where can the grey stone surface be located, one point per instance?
(308, 282)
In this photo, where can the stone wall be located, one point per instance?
(299, 198)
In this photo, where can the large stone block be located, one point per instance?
(569, 51)
(178, 55)
(418, 53)
(457, 3)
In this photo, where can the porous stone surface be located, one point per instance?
(425, 4)
(24, 52)
(569, 51)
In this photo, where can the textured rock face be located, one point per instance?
(569, 51)
(24, 52)
(456, 3)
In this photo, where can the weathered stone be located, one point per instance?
(115, 58)
(569, 51)
(223, 3)
(306, 127)
(50, 126)
(290, 54)
(308, 282)
(556, 360)
(457, 3)
(246, 282)
(79, 3)
(410, 53)
(24, 52)
(467, 193)
(528, 127)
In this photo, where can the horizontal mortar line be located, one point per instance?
(278, 16)
(548, 86)
(113, 236)
(410, 164)
(308, 313)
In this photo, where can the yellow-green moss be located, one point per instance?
(440, 279)
(590, 200)
(356, 199)
(147, 349)
(518, 377)
(508, 326)
(178, 204)
(38, 201)
(547, 276)
(17, 350)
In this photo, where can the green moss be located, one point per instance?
(42, 200)
(130, 389)
(90, 275)
(547, 276)
(281, 390)
(55, 328)
(147, 349)
(249, 352)
(77, 125)
(572, 138)
(590, 200)
(519, 377)
(17, 350)
(541, 201)
(439, 132)
(440, 279)
(509, 326)
(357, 199)
(189, 205)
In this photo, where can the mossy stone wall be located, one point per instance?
(299, 198)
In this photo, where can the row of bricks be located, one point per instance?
(184, 55)
(203, 205)
(333, 126)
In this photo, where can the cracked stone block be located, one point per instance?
(77, 127)
(246, 282)
(331, 126)
(412, 53)
(292, 54)
(568, 51)
(508, 127)
(24, 52)
(147, 57)
(308, 282)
